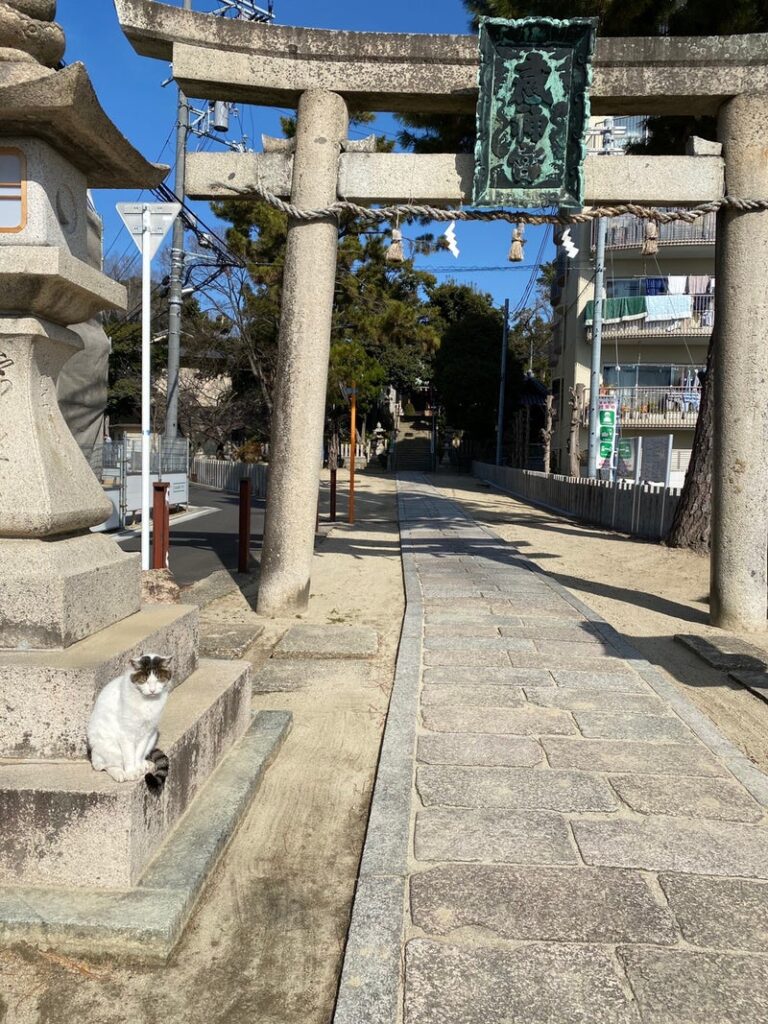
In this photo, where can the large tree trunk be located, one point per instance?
(546, 433)
(691, 525)
(574, 451)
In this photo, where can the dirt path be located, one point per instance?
(265, 945)
(646, 591)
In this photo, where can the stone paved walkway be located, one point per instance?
(557, 835)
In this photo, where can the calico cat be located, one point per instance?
(122, 730)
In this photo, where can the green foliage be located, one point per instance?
(351, 364)
(467, 363)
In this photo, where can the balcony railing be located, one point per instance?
(700, 323)
(628, 232)
(657, 408)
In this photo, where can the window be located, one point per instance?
(13, 190)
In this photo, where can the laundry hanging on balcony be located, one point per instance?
(668, 307)
(627, 307)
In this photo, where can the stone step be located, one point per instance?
(47, 696)
(66, 825)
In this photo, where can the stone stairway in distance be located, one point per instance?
(413, 453)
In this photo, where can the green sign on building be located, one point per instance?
(533, 111)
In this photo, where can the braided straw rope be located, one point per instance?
(410, 210)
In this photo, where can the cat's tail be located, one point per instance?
(155, 780)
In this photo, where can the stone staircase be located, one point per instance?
(413, 452)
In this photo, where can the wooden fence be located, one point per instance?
(643, 510)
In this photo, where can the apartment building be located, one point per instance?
(658, 315)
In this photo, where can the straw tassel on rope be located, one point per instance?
(651, 243)
(394, 253)
(516, 253)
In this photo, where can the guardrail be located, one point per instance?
(643, 510)
(226, 476)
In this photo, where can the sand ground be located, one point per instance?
(266, 942)
(645, 590)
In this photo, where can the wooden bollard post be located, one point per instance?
(244, 546)
(333, 495)
(160, 525)
(352, 441)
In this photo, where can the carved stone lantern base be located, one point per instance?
(59, 582)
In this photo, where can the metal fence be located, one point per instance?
(628, 232)
(652, 407)
(643, 510)
(699, 323)
(226, 476)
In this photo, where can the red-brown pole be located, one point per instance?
(333, 495)
(352, 442)
(244, 548)
(160, 525)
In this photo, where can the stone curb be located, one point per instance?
(370, 981)
(146, 922)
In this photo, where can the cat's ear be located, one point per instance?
(167, 660)
(136, 663)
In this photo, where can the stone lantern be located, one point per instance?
(70, 613)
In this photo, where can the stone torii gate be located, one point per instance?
(324, 73)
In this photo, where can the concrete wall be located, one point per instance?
(644, 510)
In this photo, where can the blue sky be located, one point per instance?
(130, 89)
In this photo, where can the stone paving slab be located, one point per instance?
(458, 629)
(559, 660)
(676, 987)
(678, 795)
(604, 678)
(470, 644)
(327, 641)
(725, 652)
(535, 984)
(551, 609)
(498, 836)
(720, 912)
(522, 721)
(284, 675)
(469, 659)
(530, 904)
(675, 844)
(557, 630)
(575, 699)
(602, 725)
(480, 675)
(632, 756)
(515, 787)
(478, 749)
(481, 694)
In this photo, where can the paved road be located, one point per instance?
(201, 546)
(574, 843)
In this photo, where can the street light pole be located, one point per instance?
(146, 387)
(175, 298)
(597, 338)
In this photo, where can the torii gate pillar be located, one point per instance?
(302, 365)
(739, 589)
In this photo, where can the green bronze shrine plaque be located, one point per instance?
(533, 111)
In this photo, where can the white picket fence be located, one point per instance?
(644, 510)
(226, 476)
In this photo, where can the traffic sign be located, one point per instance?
(161, 218)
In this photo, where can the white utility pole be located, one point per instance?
(597, 355)
(146, 377)
(148, 224)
